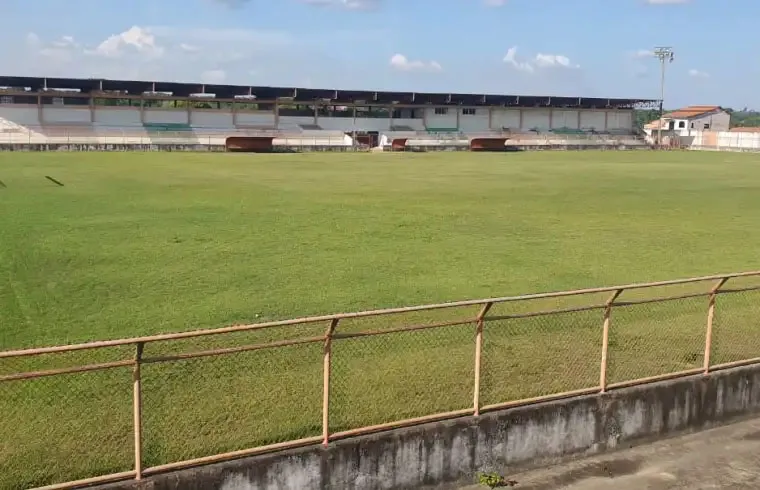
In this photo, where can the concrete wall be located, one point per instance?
(724, 141)
(450, 453)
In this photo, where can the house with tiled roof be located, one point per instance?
(687, 121)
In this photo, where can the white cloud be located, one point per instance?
(59, 50)
(511, 58)
(185, 54)
(33, 40)
(549, 60)
(135, 38)
(276, 58)
(188, 48)
(65, 42)
(495, 3)
(698, 74)
(541, 60)
(401, 62)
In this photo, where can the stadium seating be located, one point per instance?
(170, 133)
(569, 131)
(124, 126)
(166, 127)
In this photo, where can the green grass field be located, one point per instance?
(137, 244)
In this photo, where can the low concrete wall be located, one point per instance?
(450, 453)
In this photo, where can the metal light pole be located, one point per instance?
(664, 54)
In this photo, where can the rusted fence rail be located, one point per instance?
(130, 408)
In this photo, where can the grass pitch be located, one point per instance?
(142, 243)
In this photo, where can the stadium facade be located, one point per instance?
(54, 111)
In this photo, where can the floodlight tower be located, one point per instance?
(665, 55)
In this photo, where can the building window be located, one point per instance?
(469, 111)
(681, 124)
(707, 125)
(6, 99)
(441, 111)
(692, 125)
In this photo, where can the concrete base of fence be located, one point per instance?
(451, 453)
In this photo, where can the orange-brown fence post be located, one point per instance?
(326, 371)
(137, 408)
(606, 339)
(710, 318)
(480, 321)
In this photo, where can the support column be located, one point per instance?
(390, 117)
(606, 120)
(189, 111)
(459, 112)
(276, 110)
(40, 112)
(490, 118)
(91, 102)
(316, 115)
(521, 119)
(233, 108)
(579, 118)
(142, 110)
(551, 119)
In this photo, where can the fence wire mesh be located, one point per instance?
(212, 405)
(66, 427)
(652, 339)
(541, 355)
(736, 327)
(64, 360)
(391, 377)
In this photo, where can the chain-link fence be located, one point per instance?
(130, 408)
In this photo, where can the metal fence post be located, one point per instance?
(606, 339)
(327, 368)
(480, 321)
(137, 408)
(710, 317)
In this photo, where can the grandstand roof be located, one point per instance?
(133, 87)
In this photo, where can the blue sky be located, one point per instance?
(538, 47)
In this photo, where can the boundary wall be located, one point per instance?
(448, 454)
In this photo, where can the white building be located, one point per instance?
(690, 120)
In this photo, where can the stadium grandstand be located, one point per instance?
(49, 113)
